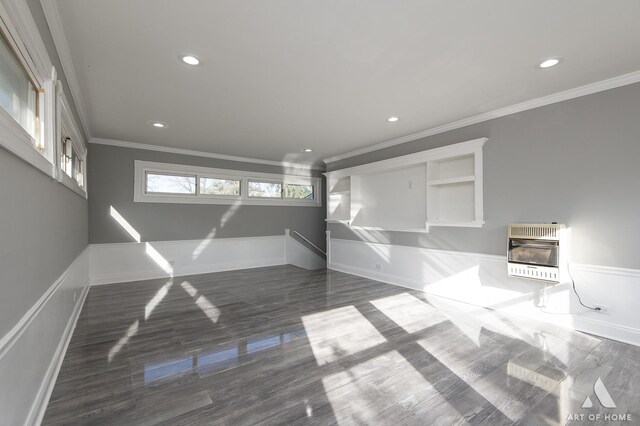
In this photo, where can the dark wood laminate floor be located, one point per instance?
(283, 345)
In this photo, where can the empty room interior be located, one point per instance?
(319, 212)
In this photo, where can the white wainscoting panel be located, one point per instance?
(481, 280)
(301, 256)
(32, 352)
(125, 262)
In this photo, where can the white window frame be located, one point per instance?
(227, 177)
(141, 168)
(171, 194)
(276, 181)
(284, 192)
(22, 34)
(64, 116)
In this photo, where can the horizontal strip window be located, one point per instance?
(220, 187)
(177, 183)
(259, 189)
(164, 183)
(298, 192)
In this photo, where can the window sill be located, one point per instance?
(228, 201)
(17, 141)
(71, 184)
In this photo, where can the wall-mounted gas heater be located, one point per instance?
(537, 251)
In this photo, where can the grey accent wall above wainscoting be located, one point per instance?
(43, 228)
(110, 177)
(576, 162)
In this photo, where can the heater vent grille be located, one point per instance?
(535, 231)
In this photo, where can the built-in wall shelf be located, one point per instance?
(457, 224)
(346, 222)
(449, 181)
(378, 228)
(437, 187)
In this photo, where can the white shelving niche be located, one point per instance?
(436, 187)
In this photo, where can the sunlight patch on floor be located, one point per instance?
(409, 312)
(156, 299)
(208, 308)
(339, 332)
(131, 331)
(369, 391)
(191, 290)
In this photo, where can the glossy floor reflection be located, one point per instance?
(283, 345)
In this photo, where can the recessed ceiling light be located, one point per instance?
(308, 150)
(190, 60)
(158, 124)
(392, 119)
(548, 63)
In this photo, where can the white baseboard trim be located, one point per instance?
(39, 406)
(376, 276)
(481, 280)
(610, 331)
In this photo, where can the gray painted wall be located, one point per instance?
(110, 179)
(44, 227)
(575, 162)
(43, 224)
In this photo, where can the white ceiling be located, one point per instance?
(279, 76)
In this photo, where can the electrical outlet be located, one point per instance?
(378, 266)
(603, 309)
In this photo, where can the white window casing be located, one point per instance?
(65, 119)
(142, 168)
(44, 150)
(21, 33)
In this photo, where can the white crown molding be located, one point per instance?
(577, 92)
(193, 153)
(52, 15)
(461, 148)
